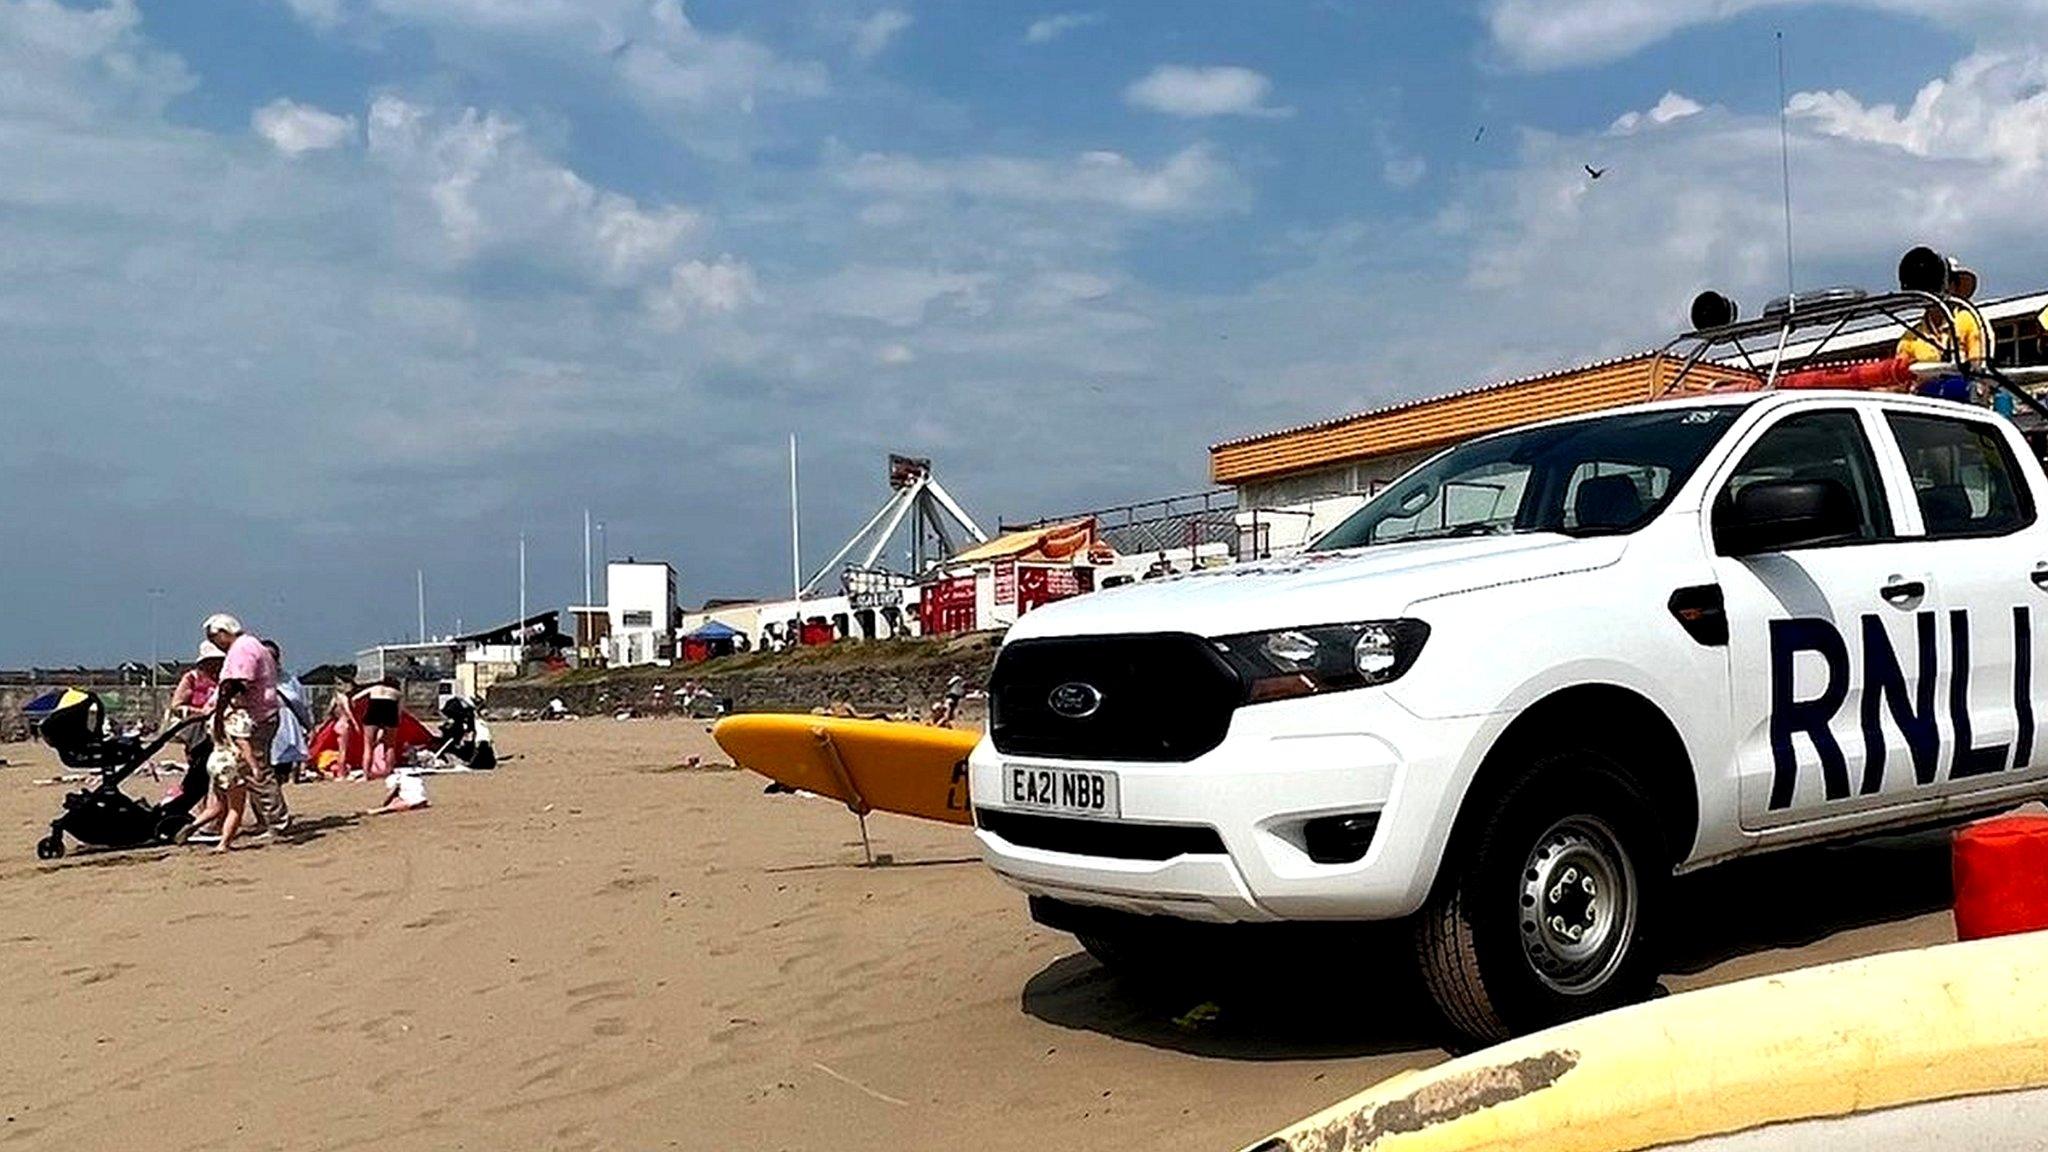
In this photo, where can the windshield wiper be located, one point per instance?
(1478, 528)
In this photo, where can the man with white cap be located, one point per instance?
(247, 717)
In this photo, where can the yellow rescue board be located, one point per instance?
(871, 765)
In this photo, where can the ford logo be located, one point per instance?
(1075, 700)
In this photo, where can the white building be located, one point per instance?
(1285, 529)
(641, 610)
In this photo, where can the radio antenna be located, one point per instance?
(1785, 169)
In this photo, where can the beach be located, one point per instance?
(601, 946)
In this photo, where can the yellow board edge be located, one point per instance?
(1856, 1036)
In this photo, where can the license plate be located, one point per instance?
(1075, 790)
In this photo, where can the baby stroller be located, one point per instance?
(104, 815)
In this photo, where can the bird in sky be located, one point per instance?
(1478, 134)
(1595, 173)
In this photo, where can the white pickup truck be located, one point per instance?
(1529, 681)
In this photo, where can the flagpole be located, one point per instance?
(796, 564)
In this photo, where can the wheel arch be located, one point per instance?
(1621, 723)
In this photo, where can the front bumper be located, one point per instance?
(1281, 765)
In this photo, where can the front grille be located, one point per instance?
(1161, 697)
(1117, 841)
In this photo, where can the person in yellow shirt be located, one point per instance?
(1928, 341)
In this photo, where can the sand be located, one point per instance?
(596, 948)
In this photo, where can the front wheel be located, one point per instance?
(50, 847)
(1541, 915)
(169, 824)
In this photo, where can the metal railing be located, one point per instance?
(1160, 525)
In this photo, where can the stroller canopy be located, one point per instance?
(74, 723)
(44, 704)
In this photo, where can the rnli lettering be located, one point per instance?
(1886, 694)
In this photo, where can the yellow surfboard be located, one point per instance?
(870, 765)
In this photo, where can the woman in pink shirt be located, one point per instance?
(194, 694)
(193, 697)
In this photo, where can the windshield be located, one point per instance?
(1606, 475)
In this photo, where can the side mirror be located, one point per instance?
(1774, 515)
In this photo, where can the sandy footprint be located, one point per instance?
(588, 996)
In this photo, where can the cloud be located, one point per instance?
(75, 63)
(902, 297)
(489, 189)
(873, 35)
(1962, 168)
(294, 128)
(321, 14)
(895, 355)
(522, 16)
(696, 288)
(1223, 90)
(1670, 107)
(1192, 181)
(1548, 34)
(1060, 289)
(1051, 28)
(682, 68)
(650, 49)
(1991, 108)
(1404, 171)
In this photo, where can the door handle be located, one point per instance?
(1905, 591)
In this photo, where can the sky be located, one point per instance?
(299, 298)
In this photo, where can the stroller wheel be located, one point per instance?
(50, 847)
(169, 825)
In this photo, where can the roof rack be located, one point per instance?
(1759, 344)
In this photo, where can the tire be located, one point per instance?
(50, 847)
(1146, 966)
(168, 825)
(1570, 846)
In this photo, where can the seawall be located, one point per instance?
(882, 676)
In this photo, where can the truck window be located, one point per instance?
(1818, 446)
(1487, 498)
(1964, 475)
(1650, 481)
(1607, 474)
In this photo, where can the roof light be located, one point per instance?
(1710, 309)
(1922, 269)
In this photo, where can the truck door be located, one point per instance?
(1809, 626)
(1979, 513)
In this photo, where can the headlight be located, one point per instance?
(1327, 658)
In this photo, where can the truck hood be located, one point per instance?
(1379, 582)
